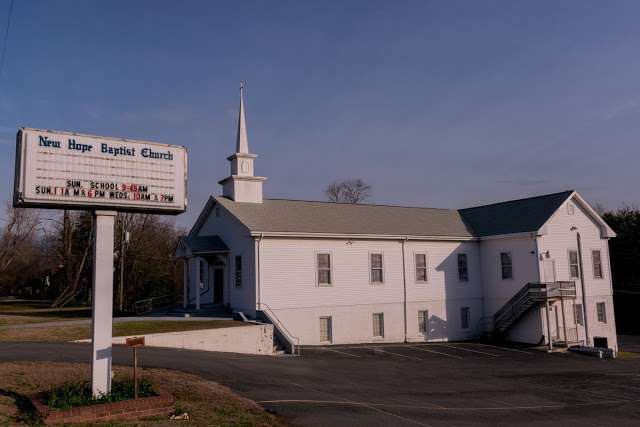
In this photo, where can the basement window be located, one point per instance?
(325, 329)
(378, 324)
(464, 317)
(423, 317)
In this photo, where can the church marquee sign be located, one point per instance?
(75, 171)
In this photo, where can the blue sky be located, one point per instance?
(443, 104)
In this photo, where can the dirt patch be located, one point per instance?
(207, 402)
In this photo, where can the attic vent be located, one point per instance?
(570, 208)
(217, 212)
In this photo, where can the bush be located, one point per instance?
(73, 395)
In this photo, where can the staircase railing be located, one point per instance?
(533, 293)
(150, 304)
(293, 341)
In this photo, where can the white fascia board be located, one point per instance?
(359, 236)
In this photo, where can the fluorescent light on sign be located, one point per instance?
(76, 171)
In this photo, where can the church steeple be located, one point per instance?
(242, 185)
(242, 142)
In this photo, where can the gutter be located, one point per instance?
(359, 236)
(257, 264)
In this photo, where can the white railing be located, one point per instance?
(295, 346)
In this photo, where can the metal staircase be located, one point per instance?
(530, 295)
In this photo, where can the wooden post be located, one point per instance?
(135, 372)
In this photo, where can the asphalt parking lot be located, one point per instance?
(405, 385)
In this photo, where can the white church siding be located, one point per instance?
(558, 239)
(288, 284)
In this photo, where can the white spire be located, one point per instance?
(242, 142)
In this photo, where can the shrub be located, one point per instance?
(75, 394)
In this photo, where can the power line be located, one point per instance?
(6, 37)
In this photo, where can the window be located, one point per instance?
(570, 208)
(421, 267)
(574, 266)
(378, 324)
(463, 270)
(507, 266)
(324, 269)
(377, 272)
(423, 317)
(464, 317)
(325, 329)
(602, 312)
(596, 256)
(238, 276)
(577, 314)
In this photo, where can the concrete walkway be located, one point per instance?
(115, 320)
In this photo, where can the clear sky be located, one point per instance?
(442, 104)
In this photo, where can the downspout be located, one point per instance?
(404, 288)
(584, 295)
(258, 270)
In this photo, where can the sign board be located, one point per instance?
(135, 341)
(76, 171)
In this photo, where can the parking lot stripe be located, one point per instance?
(395, 354)
(435, 352)
(467, 349)
(341, 352)
(505, 348)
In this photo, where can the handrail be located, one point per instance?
(148, 303)
(532, 292)
(289, 335)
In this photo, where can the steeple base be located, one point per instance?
(243, 189)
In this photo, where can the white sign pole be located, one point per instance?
(102, 301)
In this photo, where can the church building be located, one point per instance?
(533, 270)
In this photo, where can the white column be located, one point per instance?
(185, 283)
(102, 301)
(197, 284)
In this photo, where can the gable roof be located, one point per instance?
(298, 216)
(515, 216)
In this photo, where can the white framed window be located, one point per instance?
(571, 210)
(323, 264)
(578, 315)
(602, 312)
(423, 318)
(378, 324)
(574, 264)
(326, 333)
(506, 265)
(421, 268)
(238, 271)
(377, 268)
(596, 257)
(464, 317)
(463, 268)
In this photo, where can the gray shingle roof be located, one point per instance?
(299, 216)
(515, 216)
(275, 215)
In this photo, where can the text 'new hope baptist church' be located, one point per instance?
(106, 149)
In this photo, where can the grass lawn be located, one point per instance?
(24, 312)
(206, 402)
(78, 332)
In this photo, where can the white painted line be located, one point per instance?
(505, 348)
(464, 409)
(395, 354)
(467, 349)
(340, 352)
(435, 352)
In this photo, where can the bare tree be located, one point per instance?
(17, 236)
(348, 191)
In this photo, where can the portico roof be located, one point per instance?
(198, 245)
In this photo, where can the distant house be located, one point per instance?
(332, 273)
